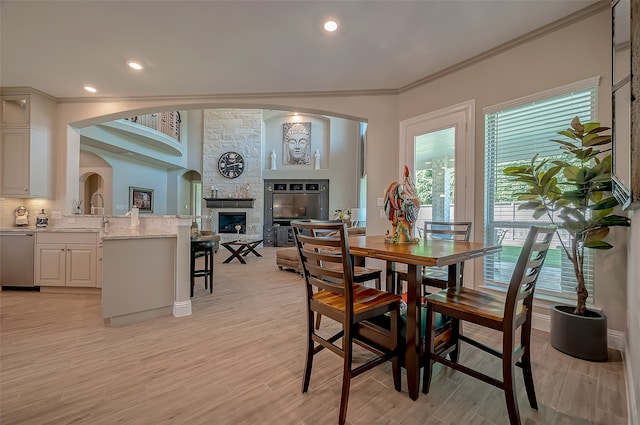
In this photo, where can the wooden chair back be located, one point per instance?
(453, 230)
(323, 248)
(525, 275)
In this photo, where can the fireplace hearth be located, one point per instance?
(227, 222)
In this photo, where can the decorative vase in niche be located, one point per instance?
(401, 205)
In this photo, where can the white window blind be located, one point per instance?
(513, 135)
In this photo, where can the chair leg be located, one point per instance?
(395, 361)
(526, 366)
(211, 271)
(308, 363)
(427, 363)
(509, 379)
(193, 267)
(455, 335)
(318, 319)
(206, 265)
(346, 376)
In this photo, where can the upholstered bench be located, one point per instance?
(287, 258)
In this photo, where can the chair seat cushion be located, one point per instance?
(364, 299)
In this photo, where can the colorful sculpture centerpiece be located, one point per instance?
(402, 205)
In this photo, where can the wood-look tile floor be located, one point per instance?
(238, 360)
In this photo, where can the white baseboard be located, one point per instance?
(541, 322)
(182, 308)
(615, 339)
(632, 407)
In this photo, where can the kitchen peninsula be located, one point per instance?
(139, 274)
(144, 269)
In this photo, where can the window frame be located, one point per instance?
(490, 162)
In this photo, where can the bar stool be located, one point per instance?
(202, 248)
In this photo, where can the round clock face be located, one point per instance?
(231, 165)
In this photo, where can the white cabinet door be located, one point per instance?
(15, 110)
(51, 265)
(81, 265)
(14, 154)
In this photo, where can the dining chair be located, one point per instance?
(361, 274)
(503, 314)
(437, 277)
(327, 267)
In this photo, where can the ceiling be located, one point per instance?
(252, 47)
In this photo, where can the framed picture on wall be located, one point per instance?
(141, 198)
(296, 140)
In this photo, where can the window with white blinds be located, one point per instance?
(514, 133)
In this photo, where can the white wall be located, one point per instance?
(633, 317)
(337, 141)
(547, 62)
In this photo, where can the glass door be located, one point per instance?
(438, 148)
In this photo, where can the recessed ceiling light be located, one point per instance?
(330, 26)
(135, 65)
(90, 89)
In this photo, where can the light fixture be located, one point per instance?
(330, 26)
(90, 89)
(134, 65)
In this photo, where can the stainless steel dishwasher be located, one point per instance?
(17, 253)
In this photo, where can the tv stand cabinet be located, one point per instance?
(277, 229)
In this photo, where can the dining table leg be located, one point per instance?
(413, 331)
(454, 275)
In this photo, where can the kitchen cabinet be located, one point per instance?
(26, 145)
(67, 259)
(15, 110)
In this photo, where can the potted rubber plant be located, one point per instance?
(573, 191)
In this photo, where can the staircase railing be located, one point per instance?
(165, 122)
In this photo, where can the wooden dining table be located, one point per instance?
(430, 253)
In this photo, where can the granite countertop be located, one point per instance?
(135, 233)
(46, 229)
(111, 233)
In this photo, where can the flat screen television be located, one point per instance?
(289, 206)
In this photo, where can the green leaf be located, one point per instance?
(531, 205)
(525, 196)
(606, 203)
(576, 125)
(593, 140)
(570, 172)
(568, 133)
(566, 144)
(539, 213)
(596, 235)
(613, 220)
(598, 245)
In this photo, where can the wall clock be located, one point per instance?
(231, 165)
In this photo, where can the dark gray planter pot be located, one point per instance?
(584, 337)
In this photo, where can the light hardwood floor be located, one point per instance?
(238, 360)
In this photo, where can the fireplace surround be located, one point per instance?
(227, 222)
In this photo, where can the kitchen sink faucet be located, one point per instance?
(105, 220)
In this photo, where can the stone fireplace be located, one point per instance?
(233, 130)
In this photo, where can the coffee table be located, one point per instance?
(243, 249)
